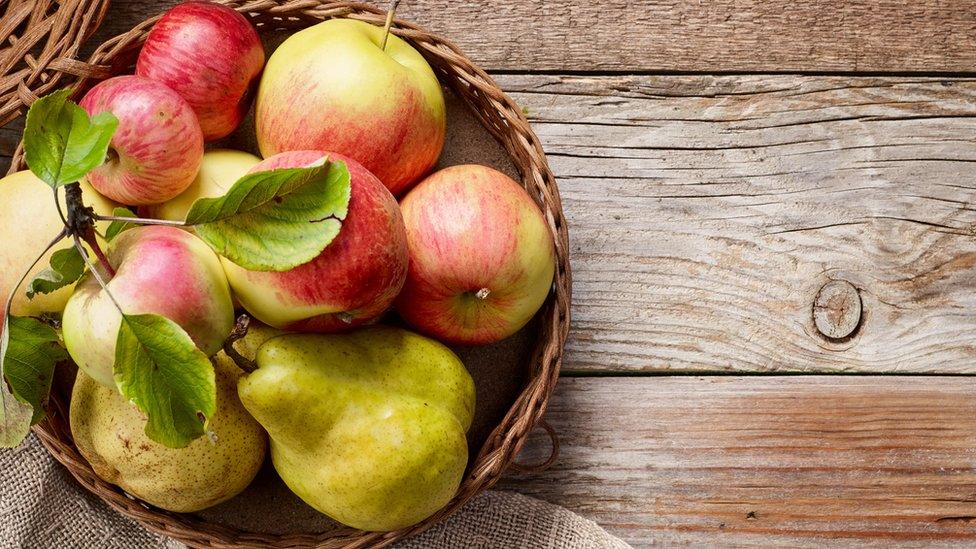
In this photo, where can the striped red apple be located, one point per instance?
(210, 55)
(158, 270)
(353, 281)
(157, 148)
(481, 256)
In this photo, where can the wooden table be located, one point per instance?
(772, 228)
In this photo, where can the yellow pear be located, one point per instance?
(366, 427)
(109, 433)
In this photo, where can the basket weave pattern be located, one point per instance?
(499, 114)
(39, 43)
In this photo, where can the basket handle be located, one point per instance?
(542, 467)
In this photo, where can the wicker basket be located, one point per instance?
(505, 120)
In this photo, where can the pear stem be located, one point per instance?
(389, 22)
(240, 330)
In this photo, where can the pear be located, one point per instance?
(110, 433)
(367, 427)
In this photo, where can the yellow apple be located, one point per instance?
(221, 168)
(28, 221)
(331, 87)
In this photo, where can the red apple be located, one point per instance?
(210, 55)
(159, 270)
(331, 87)
(353, 281)
(481, 256)
(157, 148)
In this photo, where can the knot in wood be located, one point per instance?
(837, 309)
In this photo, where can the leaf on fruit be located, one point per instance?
(116, 227)
(66, 268)
(158, 367)
(61, 142)
(33, 352)
(15, 415)
(275, 220)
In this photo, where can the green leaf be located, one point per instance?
(61, 142)
(34, 350)
(158, 367)
(66, 268)
(15, 415)
(275, 220)
(117, 227)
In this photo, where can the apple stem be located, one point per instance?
(389, 21)
(482, 293)
(240, 330)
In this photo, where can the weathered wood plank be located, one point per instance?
(761, 461)
(707, 212)
(704, 36)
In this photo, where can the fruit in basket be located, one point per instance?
(159, 270)
(352, 282)
(330, 87)
(366, 427)
(220, 169)
(157, 148)
(210, 55)
(110, 433)
(481, 256)
(29, 221)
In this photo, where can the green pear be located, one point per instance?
(110, 433)
(367, 427)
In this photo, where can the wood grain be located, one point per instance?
(691, 36)
(765, 461)
(707, 212)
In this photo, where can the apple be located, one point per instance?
(158, 270)
(330, 87)
(220, 169)
(482, 257)
(353, 281)
(157, 148)
(29, 219)
(210, 55)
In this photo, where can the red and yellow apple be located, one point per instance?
(29, 219)
(353, 281)
(210, 55)
(481, 256)
(220, 169)
(330, 87)
(157, 148)
(158, 270)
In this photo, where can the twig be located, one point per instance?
(140, 220)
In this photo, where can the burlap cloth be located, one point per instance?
(42, 507)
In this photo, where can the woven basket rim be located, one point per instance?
(508, 124)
